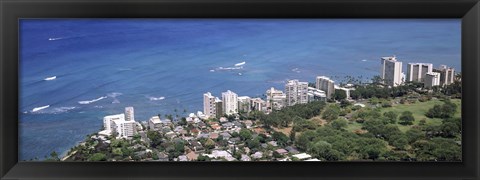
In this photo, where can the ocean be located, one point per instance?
(97, 67)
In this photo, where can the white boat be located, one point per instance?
(240, 64)
(50, 78)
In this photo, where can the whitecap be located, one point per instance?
(92, 101)
(156, 98)
(57, 110)
(114, 94)
(54, 39)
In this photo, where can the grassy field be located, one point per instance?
(419, 109)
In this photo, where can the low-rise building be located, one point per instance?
(276, 99)
(316, 95)
(431, 79)
(258, 104)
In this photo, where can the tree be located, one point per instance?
(281, 138)
(331, 113)
(447, 110)
(449, 129)
(323, 150)
(414, 135)
(406, 118)
(245, 134)
(155, 138)
(339, 94)
(253, 144)
(339, 124)
(98, 157)
(209, 144)
(203, 158)
(390, 117)
(180, 147)
(400, 142)
(375, 127)
(292, 135)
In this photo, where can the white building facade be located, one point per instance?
(447, 75)
(230, 102)
(326, 85)
(276, 99)
(209, 107)
(432, 79)
(244, 104)
(119, 125)
(296, 92)
(416, 72)
(391, 71)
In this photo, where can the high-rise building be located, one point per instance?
(417, 71)
(432, 79)
(209, 108)
(218, 107)
(296, 92)
(129, 114)
(276, 99)
(244, 104)
(326, 85)
(117, 124)
(391, 71)
(230, 102)
(447, 75)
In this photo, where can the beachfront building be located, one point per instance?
(325, 84)
(391, 71)
(276, 99)
(118, 125)
(315, 94)
(258, 104)
(218, 107)
(129, 114)
(230, 102)
(296, 92)
(107, 121)
(124, 128)
(447, 75)
(416, 72)
(209, 107)
(244, 104)
(432, 79)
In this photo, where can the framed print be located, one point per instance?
(239, 89)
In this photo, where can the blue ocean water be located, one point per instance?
(159, 65)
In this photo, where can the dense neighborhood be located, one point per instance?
(393, 117)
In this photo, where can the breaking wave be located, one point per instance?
(156, 98)
(48, 110)
(92, 101)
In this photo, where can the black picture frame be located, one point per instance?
(12, 10)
